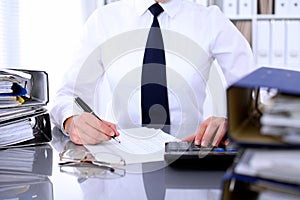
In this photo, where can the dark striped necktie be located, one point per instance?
(154, 93)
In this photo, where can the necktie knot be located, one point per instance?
(156, 9)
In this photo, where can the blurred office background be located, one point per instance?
(41, 34)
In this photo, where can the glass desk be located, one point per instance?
(44, 180)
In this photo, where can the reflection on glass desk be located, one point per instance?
(24, 173)
(154, 180)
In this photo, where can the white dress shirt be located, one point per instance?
(106, 71)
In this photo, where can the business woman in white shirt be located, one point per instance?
(107, 66)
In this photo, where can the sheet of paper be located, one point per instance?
(138, 145)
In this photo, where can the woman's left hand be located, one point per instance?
(210, 132)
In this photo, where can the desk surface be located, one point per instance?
(140, 182)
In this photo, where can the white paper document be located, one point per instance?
(138, 145)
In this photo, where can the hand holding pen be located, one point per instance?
(87, 109)
(87, 128)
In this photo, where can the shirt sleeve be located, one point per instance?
(233, 56)
(230, 48)
(81, 77)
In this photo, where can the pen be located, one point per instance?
(86, 108)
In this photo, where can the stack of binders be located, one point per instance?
(268, 163)
(24, 120)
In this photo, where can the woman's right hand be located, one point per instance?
(88, 129)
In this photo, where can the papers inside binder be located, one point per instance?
(25, 87)
(15, 83)
(281, 118)
(26, 130)
(14, 113)
(15, 133)
(278, 165)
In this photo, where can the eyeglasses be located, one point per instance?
(84, 164)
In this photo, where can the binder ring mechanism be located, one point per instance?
(84, 164)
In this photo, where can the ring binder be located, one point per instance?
(244, 116)
(24, 120)
(41, 129)
(267, 166)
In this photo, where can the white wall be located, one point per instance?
(48, 31)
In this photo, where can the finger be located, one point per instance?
(220, 134)
(113, 127)
(80, 138)
(76, 140)
(208, 135)
(106, 129)
(97, 124)
(227, 142)
(74, 136)
(200, 133)
(89, 135)
(86, 131)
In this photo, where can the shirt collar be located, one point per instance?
(171, 7)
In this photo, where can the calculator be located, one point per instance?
(189, 155)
